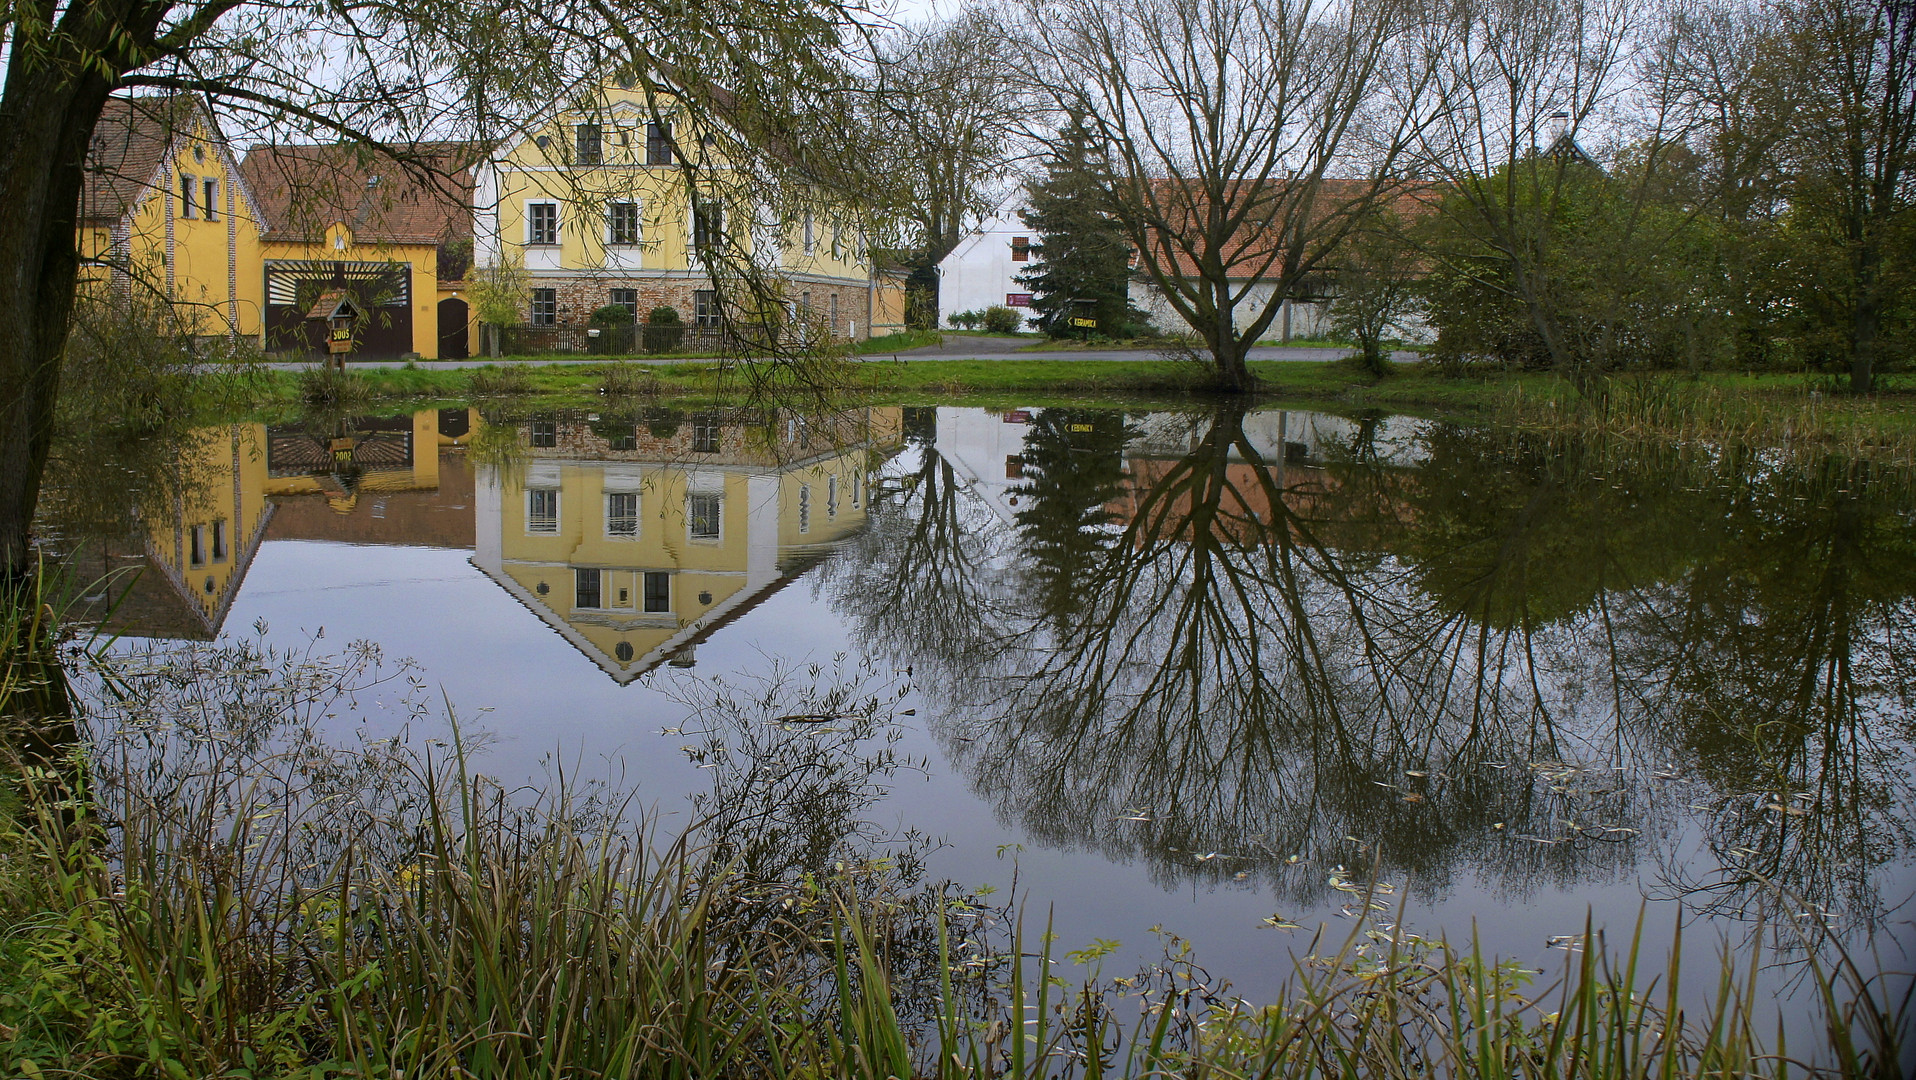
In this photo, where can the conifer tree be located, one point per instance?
(1085, 259)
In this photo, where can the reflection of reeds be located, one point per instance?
(228, 895)
(1667, 410)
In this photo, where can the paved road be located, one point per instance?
(954, 347)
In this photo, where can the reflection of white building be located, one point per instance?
(635, 552)
(983, 270)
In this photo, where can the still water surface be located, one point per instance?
(1171, 671)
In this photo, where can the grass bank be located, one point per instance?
(229, 895)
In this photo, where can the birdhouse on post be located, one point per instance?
(338, 319)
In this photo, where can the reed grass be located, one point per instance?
(624, 379)
(213, 890)
(1663, 409)
(326, 386)
(502, 380)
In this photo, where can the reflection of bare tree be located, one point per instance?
(928, 566)
(1525, 658)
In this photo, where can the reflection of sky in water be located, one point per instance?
(510, 674)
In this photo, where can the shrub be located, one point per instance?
(999, 319)
(663, 315)
(612, 315)
(965, 320)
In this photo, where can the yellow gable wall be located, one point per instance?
(203, 545)
(211, 269)
(339, 243)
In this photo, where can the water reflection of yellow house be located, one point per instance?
(192, 556)
(637, 541)
(176, 578)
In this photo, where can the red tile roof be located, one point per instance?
(304, 189)
(1254, 249)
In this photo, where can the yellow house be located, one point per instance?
(597, 209)
(164, 215)
(637, 539)
(342, 218)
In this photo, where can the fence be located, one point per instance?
(611, 340)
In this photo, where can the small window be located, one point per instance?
(804, 508)
(212, 191)
(627, 299)
(542, 223)
(1021, 249)
(545, 434)
(545, 307)
(856, 486)
(622, 515)
(625, 439)
(658, 144)
(705, 307)
(831, 496)
(622, 224)
(705, 433)
(811, 235)
(658, 591)
(542, 510)
(219, 541)
(585, 587)
(805, 302)
(708, 226)
(197, 554)
(702, 516)
(186, 197)
(1014, 467)
(588, 145)
(834, 316)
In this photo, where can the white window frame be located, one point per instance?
(638, 225)
(531, 212)
(558, 504)
(637, 515)
(718, 517)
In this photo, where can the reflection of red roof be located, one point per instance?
(305, 189)
(129, 145)
(1255, 246)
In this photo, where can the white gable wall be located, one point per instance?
(979, 273)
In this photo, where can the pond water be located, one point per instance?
(1191, 672)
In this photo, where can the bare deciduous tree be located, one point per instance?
(1246, 138)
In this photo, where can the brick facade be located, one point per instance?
(579, 297)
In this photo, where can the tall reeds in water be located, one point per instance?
(218, 890)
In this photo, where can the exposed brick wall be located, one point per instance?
(580, 297)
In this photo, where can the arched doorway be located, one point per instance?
(452, 329)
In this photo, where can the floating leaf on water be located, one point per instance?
(1415, 773)
(1278, 922)
(1497, 825)
(1413, 797)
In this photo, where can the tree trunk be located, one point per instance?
(46, 121)
(1233, 374)
(1866, 320)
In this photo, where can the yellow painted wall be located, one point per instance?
(339, 243)
(201, 545)
(531, 173)
(212, 269)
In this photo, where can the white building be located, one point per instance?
(982, 271)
